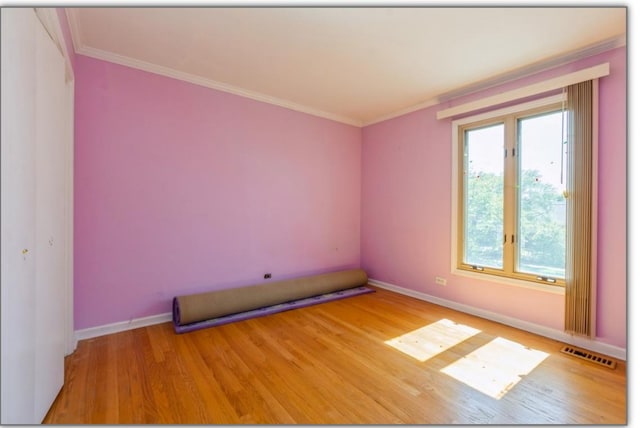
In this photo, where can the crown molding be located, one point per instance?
(49, 19)
(100, 54)
(212, 84)
(425, 104)
(73, 28)
(537, 67)
(595, 72)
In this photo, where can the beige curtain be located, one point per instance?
(580, 284)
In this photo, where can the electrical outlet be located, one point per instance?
(267, 275)
(441, 281)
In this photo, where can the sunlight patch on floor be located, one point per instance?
(496, 367)
(428, 341)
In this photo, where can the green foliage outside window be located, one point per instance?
(542, 224)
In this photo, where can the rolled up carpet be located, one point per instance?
(195, 309)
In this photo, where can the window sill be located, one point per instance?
(554, 289)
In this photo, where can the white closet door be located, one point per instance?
(33, 218)
(50, 302)
(18, 215)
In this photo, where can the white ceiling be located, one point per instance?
(355, 65)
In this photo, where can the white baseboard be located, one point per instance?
(591, 345)
(117, 327)
(561, 336)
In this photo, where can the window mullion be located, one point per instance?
(481, 181)
(510, 188)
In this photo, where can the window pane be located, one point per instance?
(541, 204)
(483, 169)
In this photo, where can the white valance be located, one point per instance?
(527, 91)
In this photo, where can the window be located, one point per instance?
(511, 206)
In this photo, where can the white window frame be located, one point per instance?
(455, 153)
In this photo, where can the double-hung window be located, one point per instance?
(511, 206)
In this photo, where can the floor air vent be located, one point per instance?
(586, 355)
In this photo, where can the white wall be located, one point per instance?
(35, 193)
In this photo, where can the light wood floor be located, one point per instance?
(329, 364)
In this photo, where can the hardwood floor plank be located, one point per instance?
(309, 365)
(380, 358)
(129, 382)
(275, 372)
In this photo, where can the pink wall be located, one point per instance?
(182, 189)
(406, 210)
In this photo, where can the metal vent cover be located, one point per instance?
(589, 356)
